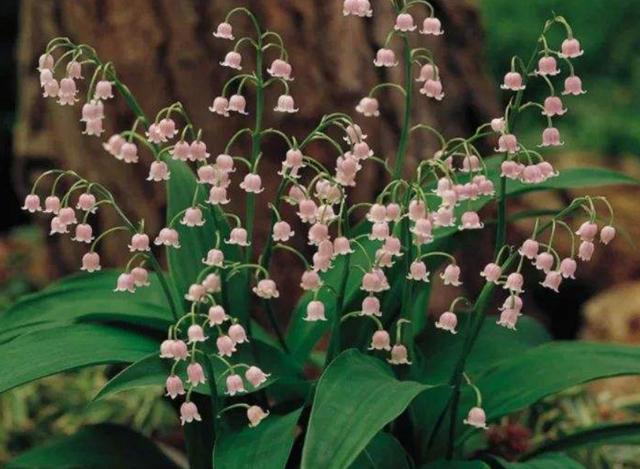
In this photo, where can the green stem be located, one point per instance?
(406, 124)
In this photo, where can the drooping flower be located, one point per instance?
(491, 272)
(418, 271)
(140, 276)
(192, 217)
(174, 386)
(286, 104)
(224, 31)
(189, 413)
(432, 88)
(158, 171)
(237, 103)
(476, 418)
(513, 81)
(547, 65)
(607, 233)
(573, 86)
(238, 236)
(587, 231)
(399, 355)
(432, 26)
(280, 69)
(552, 280)
(168, 237)
(237, 333)
(544, 261)
(220, 106)
(585, 251)
(508, 318)
(315, 311)
(195, 374)
(551, 137)
(226, 346)
(404, 23)
(380, 340)
(568, 267)
(266, 288)
(232, 60)
(235, 385)
(83, 234)
(570, 48)
(217, 315)
(368, 107)
(255, 376)
(451, 275)
(385, 58)
(31, 203)
(139, 243)
(514, 282)
(252, 183)
(91, 262)
(126, 283)
(447, 322)
(255, 415)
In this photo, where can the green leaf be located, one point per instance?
(382, 452)
(439, 351)
(612, 434)
(547, 461)
(42, 353)
(97, 446)
(85, 297)
(152, 370)
(266, 446)
(523, 380)
(185, 263)
(355, 398)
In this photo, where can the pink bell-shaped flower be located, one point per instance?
(607, 234)
(192, 217)
(508, 143)
(573, 86)
(568, 268)
(224, 31)
(587, 231)
(310, 280)
(547, 65)
(126, 283)
(252, 183)
(529, 248)
(83, 234)
(217, 315)
(140, 277)
(237, 103)
(232, 60)
(399, 355)
(570, 48)
(368, 107)
(286, 104)
(513, 81)
(585, 251)
(174, 386)
(514, 282)
(104, 90)
(553, 107)
(432, 88)
(280, 69)
(427, 72)
(476, 418)
(544, 262)
(196, 292)
(235, 385)
(432, 26)
(418, 272)
(31, 203)
(447, 322)
(237, 334)
(380, 340)
(212, 283)
(215, 258)
(552, 280)
(385, 58)
(451, 275)
(404, 23)
(371, 306)
(471, 221)
(509, 318)
(87, 202)
(195, 374)
(91, 262)
(551, 137)
(238, 236)
(226, 346)
(168, 237)
(189, 413)
(114, 145)
(282, 231)
(315, 311)
(128, 153)
(139, 243)
(491, 272)
(266, 288)
(255, 376)
(158, 171)
(220, 106)
(255, 415)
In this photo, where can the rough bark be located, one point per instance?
(165, 52)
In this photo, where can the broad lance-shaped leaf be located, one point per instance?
(185, 263)
(549, 368)
(42, 353)
(98, 446)
(86, 297)
(611, 434)
(383, 452)
(152, 370)
(266, 446)
(355, 398)
(435, 358)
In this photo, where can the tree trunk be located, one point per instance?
(165, 52)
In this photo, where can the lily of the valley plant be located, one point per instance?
(395, 384)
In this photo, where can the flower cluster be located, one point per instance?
(391, 236)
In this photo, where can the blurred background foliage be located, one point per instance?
(604, 125)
